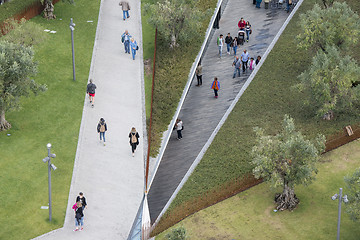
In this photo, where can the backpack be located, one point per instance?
(133, 138)
(102, 127)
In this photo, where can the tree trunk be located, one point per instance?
(49, 10)
(3, 123)
(287, 199)
(173, 43)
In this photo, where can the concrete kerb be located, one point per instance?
(226, 115)
(82, 127)
(167, 133)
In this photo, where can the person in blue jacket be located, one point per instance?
(134, 47)
(258, 2)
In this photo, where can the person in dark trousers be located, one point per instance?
(82, 200)
(90, 89)
(179, 127)
(258, 2)
(215, 86)
(228, 41)
(134, 140)
(257, 60)
(102, 128)
(244, 60)
(198, 73)
(79, 217)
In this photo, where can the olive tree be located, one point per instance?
(176, 20)
(16, 67)
(329, 83)
(353, 192)
(286, 160)
(336, 25)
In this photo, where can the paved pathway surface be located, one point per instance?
(111, 179)
(201, 112)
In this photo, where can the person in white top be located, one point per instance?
(220, 43)
(179, 127)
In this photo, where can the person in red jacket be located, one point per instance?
(242, 24)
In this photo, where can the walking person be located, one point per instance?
(215, 86)
(102, 128)
(258, 2)
(179, 127)
(125, 38)
(228, 41)
(198, 73)
(252, 64)
(288, 4)
(134, 47)
(79, 217)
(248, 30)
(125, 8)
(220, 43)
(242, 24)
(90, 89)
(257, 60)
(82, 200)
(134, 140)
(244, 60)
(237, 64)
(235, 45)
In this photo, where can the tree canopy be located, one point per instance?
(335, 25)
(16, 67)
(286, 160)
(176, 20)
(329, 80)
(353, 192)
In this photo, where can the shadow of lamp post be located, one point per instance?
(53, 167)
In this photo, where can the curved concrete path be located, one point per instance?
(111, 179)
(200, 112)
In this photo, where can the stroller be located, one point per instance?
(241, 37)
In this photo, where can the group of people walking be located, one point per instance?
(288, 3)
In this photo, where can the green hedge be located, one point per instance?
(14, 7)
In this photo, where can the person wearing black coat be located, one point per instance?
(79, 217)
(134, 140)
(82, 200)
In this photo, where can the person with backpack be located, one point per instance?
(90, 89)
(82, 200)
(134, 47)
(79, 217)
(215, 86)
(125, 39)
(102, 128)
(134, 140)
(125, 8)
(220, 43)
(179, 127)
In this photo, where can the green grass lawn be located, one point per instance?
(263, 104)
(54, 116)
(250, 215)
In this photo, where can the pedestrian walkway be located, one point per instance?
(201, 112)
(110, 178)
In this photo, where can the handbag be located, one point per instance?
(137, 47)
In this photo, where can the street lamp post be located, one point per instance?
(50, 166)
(341, 198)
(72, 28)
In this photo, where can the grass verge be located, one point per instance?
(53, 116)
(263, 104)
(172, 70)
(250, 215)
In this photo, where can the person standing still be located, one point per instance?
(134, 47)
(215, 86)
(90, 89)
(237, 64)
(125, 8)
(198, 73)
(228, 41)
(220, 43)
(244, 60)
(134, 140)
(179, 127)
(102, 128)
(125, 38)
